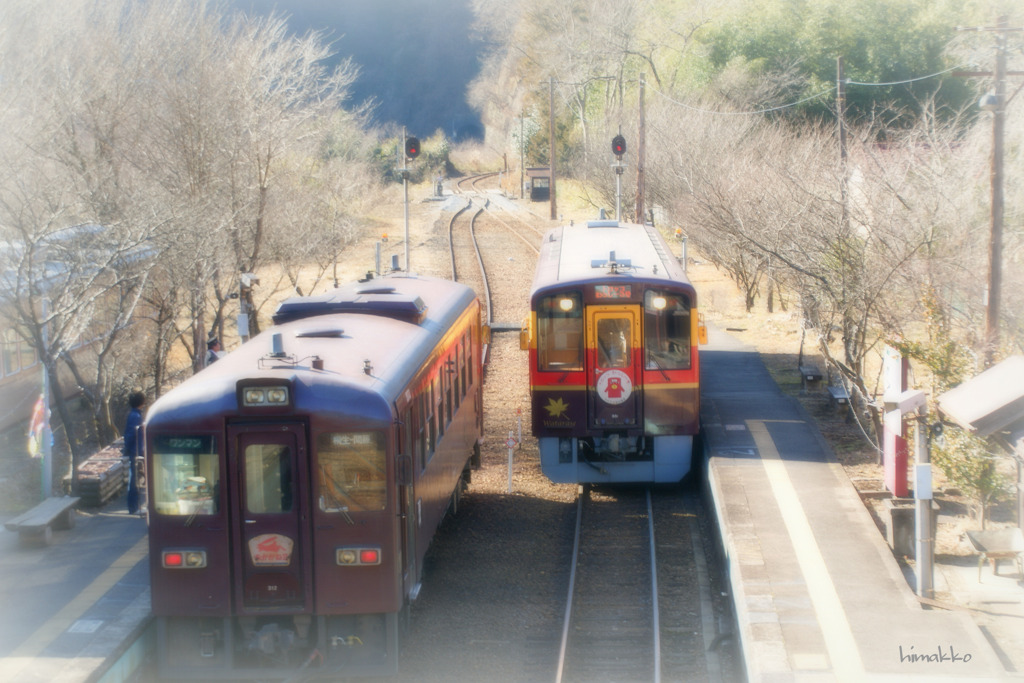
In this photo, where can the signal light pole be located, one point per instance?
(551, 150)
(618, 149)
(412, 150)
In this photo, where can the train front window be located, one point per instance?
(186, 475)
(351, 472)
(560, 332)
(666, 330)
(268, 478)
(614, 340)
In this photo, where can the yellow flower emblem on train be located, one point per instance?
(556, 407)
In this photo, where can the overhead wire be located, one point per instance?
(745, 113)
(909, 80)
(810, 98)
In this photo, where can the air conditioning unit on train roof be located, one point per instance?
(375, 300)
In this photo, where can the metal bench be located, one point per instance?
(838, 397)
(35, 527)
(998, 544)
(810, 377)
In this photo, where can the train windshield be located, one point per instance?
(351, 471)
(560, 332)
(186, 475)
(666, 330)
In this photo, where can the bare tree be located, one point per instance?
(166, 128)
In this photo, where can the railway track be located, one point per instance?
(639, 604)
(473, 183)
(611, 629)
(489, 250)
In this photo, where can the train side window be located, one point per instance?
(441, 410)
(406, 427)
(431, 422)
(186, 475)
(470, 359)
(421, 431)
(464, 361)
(268, 478)
(351, 471)
(666, 330)
(457, 355)
(449, 394)
(560, 332)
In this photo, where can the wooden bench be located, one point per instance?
(35, 527)
(810, 377)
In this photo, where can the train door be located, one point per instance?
(272, 551)
(406, 504)
(613, 366)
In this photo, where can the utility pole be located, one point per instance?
(996, 101)
(640, 159)
(924, 544)
(841, 117)
(551, 151)
(522, 157)
(405, 197)
(995, 245)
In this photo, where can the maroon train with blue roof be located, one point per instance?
(296, 484)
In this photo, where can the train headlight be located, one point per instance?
(566, 304)
(265, 396)
(659, 303)
(354, 557)
(277, 396)
(255, 397)
(183, 559)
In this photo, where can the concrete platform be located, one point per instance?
(818, 593)
(68, 610)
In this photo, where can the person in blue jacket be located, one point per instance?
(132, 447)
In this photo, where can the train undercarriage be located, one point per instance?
(277, 647)
(615, 457)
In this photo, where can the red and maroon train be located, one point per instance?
(614, 369)
(295, 484)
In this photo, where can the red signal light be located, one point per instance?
(412, 147)
(618, 145)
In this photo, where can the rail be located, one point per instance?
(604, 588)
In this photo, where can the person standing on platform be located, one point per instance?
(132, 447)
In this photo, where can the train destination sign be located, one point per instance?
(613, 291)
